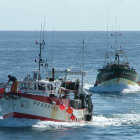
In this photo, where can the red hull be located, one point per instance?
(28, 116)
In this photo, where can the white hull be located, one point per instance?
(25, 107)
(117, 85)
(47, 99)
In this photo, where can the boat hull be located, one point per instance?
(117, 76)
(118, 82)
(40, 107)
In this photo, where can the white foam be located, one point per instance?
(14, 122)
(87, 86)
(116, 120)
(120, 88)
(132, 89)
(99, 120)
(51, 124)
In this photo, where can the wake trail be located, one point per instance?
(98, 120)
(110, 89)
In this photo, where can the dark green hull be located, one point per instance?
(117, 72)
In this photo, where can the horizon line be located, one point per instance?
(74, 30)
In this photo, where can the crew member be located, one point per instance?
(14, 85)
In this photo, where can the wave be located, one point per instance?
(98, 120)
(117, 120)
(14, 122)
(88, 86)
(109, 89)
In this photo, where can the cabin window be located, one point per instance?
(48, 87)
(35, 86)
(30, 85)
(51, 87)
(23, 85)
(41, 86)
(35, 76)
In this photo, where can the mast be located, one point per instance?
(52, 49)
(106, 38)
(41, 61)
(82, 80)
(116, 35)
(83, 55)
(41, 45)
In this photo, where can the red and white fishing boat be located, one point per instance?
(60, 99)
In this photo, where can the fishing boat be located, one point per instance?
(116, 71)
(59, 97)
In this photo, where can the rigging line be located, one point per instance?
(52, 49)
(43, 38)
(107, 42)
(36, 35)
(107, 23)
(116, 33)
(83, 55)
(41, 33)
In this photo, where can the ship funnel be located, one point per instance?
(52, 74)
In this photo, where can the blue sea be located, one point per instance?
(116, 116)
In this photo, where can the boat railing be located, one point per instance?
(47, 89)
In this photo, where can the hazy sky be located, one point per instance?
(69, 14)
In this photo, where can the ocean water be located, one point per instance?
(116, 116)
